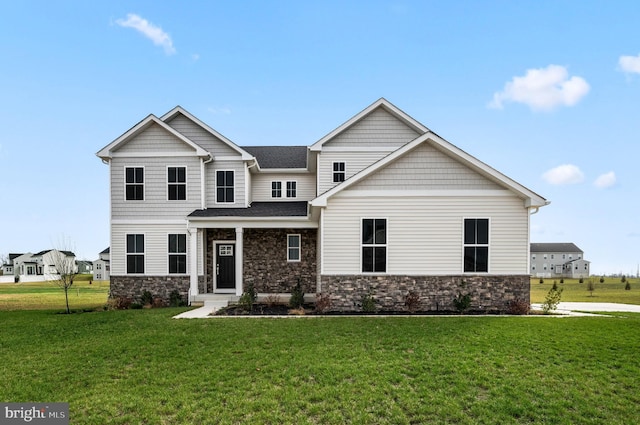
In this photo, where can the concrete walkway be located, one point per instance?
(564, 309)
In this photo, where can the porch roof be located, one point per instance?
(257, 209)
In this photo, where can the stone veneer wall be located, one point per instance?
(488, 293)
(159, 286)
(265, 260)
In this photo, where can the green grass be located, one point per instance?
(141, 366)
(611, 291)
(47, 295)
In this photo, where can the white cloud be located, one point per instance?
(542, 89)
(219, 111)
(630, 64)
(195, 57)
(152, 32)
(564, 174)
(605, 180)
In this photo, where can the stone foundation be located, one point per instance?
(160, 287)
(436, 293)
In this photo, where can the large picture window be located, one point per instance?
(224, 187)
(135, 254)
(134, 183)
(374, 245)
(178, 253)
(476, 245)
(177, 183)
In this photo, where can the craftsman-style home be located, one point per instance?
(381, 205)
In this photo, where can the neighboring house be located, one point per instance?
(380, 205)
(102, 266)
(7, 268)
(558, 260)
(84, 266)
(42, 265)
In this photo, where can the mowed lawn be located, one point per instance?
(142, 366)
(612, 290)
(47, 295)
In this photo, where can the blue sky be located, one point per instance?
(547, 92)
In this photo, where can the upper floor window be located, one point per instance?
(374, 245)
(135, 254)
(224, 186)
(98, 266)
(293, 247)
(178, 253)
(338, 172)
(276, 189)
(291, 189)
(177, 183)
(134, 183)
(476, 245)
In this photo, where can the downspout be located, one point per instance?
(203, 194)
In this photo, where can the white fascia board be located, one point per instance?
(106, 152)
(531, 197)
(179, 109)
(382, 102)
(284, 171)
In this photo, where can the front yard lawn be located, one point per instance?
(141, 366)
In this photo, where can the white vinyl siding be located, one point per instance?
(426, 168)
(424, 234)
(354, 162)
(239, 198)
(155, 139)
(201, 137)
(305, 187)
(155, 203)
(379, 128)
(155, 247)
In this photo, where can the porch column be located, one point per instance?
(239, 259)
(193, 267)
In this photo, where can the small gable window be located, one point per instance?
(134, 183)
(338, 172)
(224, 187)
(177, 183)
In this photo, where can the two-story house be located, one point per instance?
(558, 260)
(102, 266)
(380, 205)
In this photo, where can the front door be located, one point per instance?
(225, 266)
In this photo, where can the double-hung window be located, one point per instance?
(178, 253)
(293, 247)
(134, 183)
(338, 172)
(374, 245)
(276, 189)
(476, 245)
(135, 254)
(177, 183)
(224, 187)
(291, 189)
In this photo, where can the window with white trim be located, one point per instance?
(177, 183)
(293, 247)
(338, 172)
(224, 186)
(374, 245)
(291, 189)
(476, 245)
(177, 253)
(276, 189)
(135, 254)
(134, 183)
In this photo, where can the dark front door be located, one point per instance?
(225, 266)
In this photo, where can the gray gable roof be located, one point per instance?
(554, 247)
(258, 209)
(279, 156)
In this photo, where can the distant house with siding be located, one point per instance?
(381, 205)
(558, 260)
(102, 266)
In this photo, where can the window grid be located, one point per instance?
(177, 247)
(291, 189)
(476, 245)
(135, 254)
(224, 187)
(293, 248)
(374, 245)
(177, 183)
(134, 183)
(338, 172)
(276, 189)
